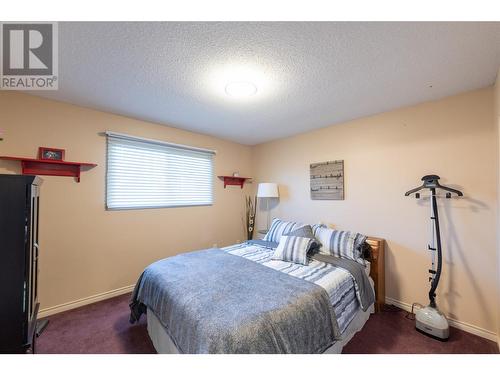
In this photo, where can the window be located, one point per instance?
(143, 173)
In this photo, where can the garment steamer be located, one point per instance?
(429, 320)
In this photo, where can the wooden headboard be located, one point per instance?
(377, 270)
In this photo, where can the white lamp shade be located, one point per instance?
(268, 190)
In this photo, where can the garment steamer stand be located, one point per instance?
(429, 320)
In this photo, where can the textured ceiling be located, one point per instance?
(309, 75)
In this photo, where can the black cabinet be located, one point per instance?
(19, 206)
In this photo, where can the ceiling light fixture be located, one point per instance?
(241, 89)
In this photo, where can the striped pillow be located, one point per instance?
(280, 227)
(342, 244)
(307, 232)
(293, 249)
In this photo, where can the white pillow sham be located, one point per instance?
(342, 244)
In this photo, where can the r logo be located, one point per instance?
(29, 56)
(27, 49)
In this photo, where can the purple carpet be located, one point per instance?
(103, 327)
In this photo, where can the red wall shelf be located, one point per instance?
(233, 180)
(50, 167)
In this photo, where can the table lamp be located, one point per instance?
(267, 191)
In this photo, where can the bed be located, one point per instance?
(239, 300)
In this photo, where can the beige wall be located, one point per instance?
(386, 155)
(497, 122)
(86, 250)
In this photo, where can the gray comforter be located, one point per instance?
(214, 302)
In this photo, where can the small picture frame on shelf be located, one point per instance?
(46, 153)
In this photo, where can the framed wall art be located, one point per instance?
(327, 180)
(46, 153)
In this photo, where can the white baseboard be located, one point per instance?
(84, 301)
(475, 330)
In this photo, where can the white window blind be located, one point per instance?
(144, 173)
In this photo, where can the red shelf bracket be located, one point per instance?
(233, 180)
